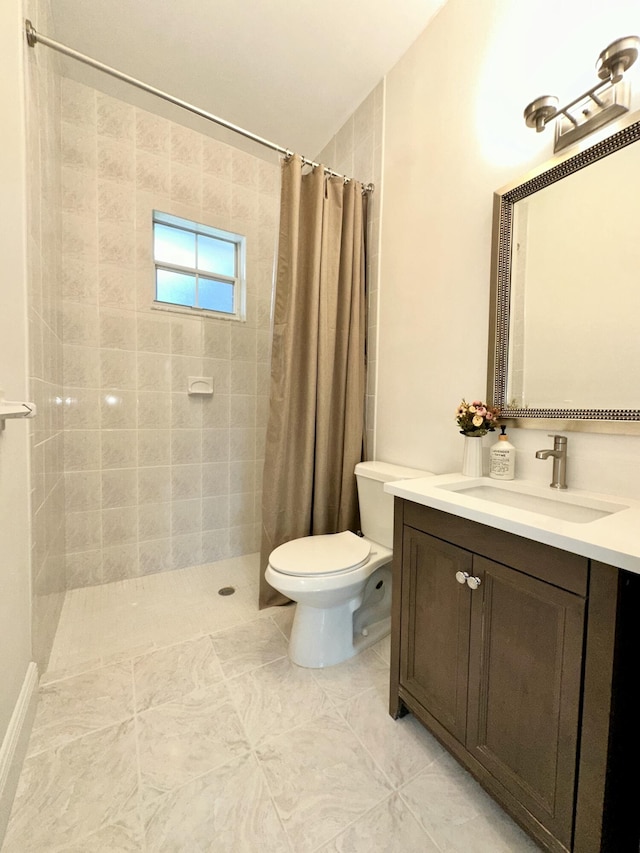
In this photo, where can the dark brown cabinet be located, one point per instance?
(491, 639)
(436, 613)
(524, 690)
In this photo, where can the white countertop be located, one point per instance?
(612, 539)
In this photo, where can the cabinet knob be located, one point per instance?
(473, 583)
(462, 577)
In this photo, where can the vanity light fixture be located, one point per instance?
(596, 107)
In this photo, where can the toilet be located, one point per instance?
(341, 582)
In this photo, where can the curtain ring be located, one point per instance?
(288, 155)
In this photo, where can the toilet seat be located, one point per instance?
(313, 556)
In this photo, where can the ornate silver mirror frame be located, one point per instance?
(501, 273)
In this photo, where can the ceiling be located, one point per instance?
(289, 72)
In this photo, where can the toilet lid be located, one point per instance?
(321, 555)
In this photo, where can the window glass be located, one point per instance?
(218, 256)
(174, 246)
(215, 295)
(198, 266)
(176, 287)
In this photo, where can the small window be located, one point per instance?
(198, 267)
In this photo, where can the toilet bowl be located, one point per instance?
(341, 582)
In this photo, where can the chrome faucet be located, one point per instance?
(559, 454)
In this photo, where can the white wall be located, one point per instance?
(454, 133)
(15, 638)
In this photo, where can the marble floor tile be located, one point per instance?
(275, 698)
(69, 792)
(321, 780)
(401, 748)
(283, 617)
(84, 703)
(383, 648)
(218, 613)
(248, 646)
(104, 638)
(183, 739)
(68, 672)
(229, 746)
(228, 810)
(388, 828)
(168, 674)
(129, 653)
(246, 601)
(354, 676)
(455, 811)
(116, 838)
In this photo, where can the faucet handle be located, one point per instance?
(558, 440)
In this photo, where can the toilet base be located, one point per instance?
(316, 642)
(322, 636)
(374, 633)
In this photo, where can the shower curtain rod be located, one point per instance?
(33, 37)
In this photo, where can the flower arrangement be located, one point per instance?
(476, 418)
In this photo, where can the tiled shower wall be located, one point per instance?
(356, 151)
(155, 479)
(44, 309)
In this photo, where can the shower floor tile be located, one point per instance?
(171, 719)
(116, 621)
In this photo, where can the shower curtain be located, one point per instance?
(315, 432)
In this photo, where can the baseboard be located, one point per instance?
(14, 745)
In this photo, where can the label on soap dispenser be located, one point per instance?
(503, 459)
(502, 463)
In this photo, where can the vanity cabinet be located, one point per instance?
(505, 649)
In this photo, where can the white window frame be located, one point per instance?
(238, 281)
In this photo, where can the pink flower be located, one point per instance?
(476, 418)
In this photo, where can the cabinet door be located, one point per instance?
(524, 689)
(435, 628)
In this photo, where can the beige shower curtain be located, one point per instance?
(316, 417)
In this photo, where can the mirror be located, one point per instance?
(565, 287)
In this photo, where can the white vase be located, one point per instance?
(472, 456)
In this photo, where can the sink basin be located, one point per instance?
(603, 528)
(580, 509)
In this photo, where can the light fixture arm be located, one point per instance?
(594, 108)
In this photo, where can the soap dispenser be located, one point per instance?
(503, 458)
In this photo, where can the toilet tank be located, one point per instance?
(376, 506)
